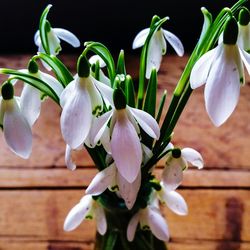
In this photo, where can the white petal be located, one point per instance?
(168, 147)
(172, 174)
(147, 122)
(246, 59)
(105, 140)
(201, 69)
(244, 37)
(54, 43)
(101, 221)
(77, 213)
(175, 202)
(98, 127)
(67, 36)
(37, 39)
(93, 59)
(175, 42)
(106, 91)
(104, 78)
(147, 153)
(68, 160)
(17, 131)
(155, 52)
(126, 147)
(132, 225)
(140, 38)
(52, 82)
(223, 87)
(67, 92)
(192, 156)
(158, 224)
(76, 118)
(101, 181)
(30, 103)
(129, 191)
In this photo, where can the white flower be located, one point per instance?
(87, 208)
(80, 100)
(149, 218)
(177, 161)
(30, 99)
(173, 200)
(125, 144)
(16, 129)
(110, 178)
(222, 70)
(157, 47)
(54, 36)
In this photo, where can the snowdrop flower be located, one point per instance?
(173, 200)
(16, 129)
(149, 218)
(222, 70)
(244, 30)
(157, 46)
(80, 101)
(111, 178)
(126, 148)
(30, 99)
(87, 208)
(54, 36)
(177, 161)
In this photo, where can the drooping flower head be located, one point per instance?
(222, 70)
(125, 143)
(16, 129)
(157, 46)
(81, 100)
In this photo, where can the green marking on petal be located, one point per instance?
(145, 228)
(88, 217)
(97, 110)
(114, 188)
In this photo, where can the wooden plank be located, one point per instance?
(62, 177)
(213, 215)
(226, 147)
(17, 244)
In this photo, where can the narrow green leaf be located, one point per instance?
(110, 241)
(42, 29)
(161, 105)
(208, 19)
(105, 54)
(121, 69)
(62, 73)
(130, 91)
(150, 97)
(33, 81)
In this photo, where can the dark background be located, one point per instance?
(112, 22)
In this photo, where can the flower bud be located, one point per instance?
(7, 91)
(119, 99)
(244, 17)
(83, 67)
(230, 33)
(32, 67)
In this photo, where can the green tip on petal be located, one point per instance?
(244, 16)
(7, 91)
(230, 34)
(32, 67)
(119, 99)
(176, 153)
(156, 185)
(83, 67)
(47, 26)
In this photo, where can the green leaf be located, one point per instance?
(43, 31)
(121, 69)
(130, 91)
(110, 241)
(161, 105)
(208, 19)
(105, 54)
(150, 97)
(62, 73)
(33, 81)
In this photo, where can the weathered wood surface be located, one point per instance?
(36, 194)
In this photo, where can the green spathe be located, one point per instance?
(230, 34)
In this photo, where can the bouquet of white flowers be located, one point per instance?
(117, 120)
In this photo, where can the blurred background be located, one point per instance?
(114, 23)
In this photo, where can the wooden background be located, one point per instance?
(36, 194)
